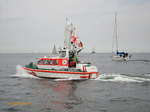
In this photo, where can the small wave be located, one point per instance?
(141, 60)
(147, 74)
(20, 72)
(121, 78)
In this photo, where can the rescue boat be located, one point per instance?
(66, 65)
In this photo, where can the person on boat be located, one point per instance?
(126, 54)
(75, 59)
(72, 59)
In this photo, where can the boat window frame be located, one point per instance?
(62, 54)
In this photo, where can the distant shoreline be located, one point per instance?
(81, 53)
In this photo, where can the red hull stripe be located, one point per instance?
(84, 77)
(64, 72)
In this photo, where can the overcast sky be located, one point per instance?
(36, 25)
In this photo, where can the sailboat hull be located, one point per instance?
(118, 58)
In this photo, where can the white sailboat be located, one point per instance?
(54, 51)
(118, 55)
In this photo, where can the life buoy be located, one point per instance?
(64, 62)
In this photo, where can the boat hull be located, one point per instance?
(118, 58)
(61, 74)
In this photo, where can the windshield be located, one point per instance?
(62, 53)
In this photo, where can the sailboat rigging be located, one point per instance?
(118, 55)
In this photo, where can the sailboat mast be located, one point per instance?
(116, 32)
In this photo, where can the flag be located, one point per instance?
(74, 37)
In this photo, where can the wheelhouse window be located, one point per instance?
(62, 54)
(43, 62)
(40, 62)
(53, 62)
(48, 62)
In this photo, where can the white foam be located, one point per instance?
(20, 72)
(114, 78)
(146, 74)
(120, 78)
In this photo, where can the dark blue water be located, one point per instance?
(122, 87)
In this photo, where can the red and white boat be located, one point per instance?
(66, 65)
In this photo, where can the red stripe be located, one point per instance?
(48, 71)
(84, 77)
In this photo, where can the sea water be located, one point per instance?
(121, 86)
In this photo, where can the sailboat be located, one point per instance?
(54, 51)
(118, 55)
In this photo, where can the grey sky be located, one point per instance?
(36, 25)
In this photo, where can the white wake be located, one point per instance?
(20, 72)
(121, 78)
